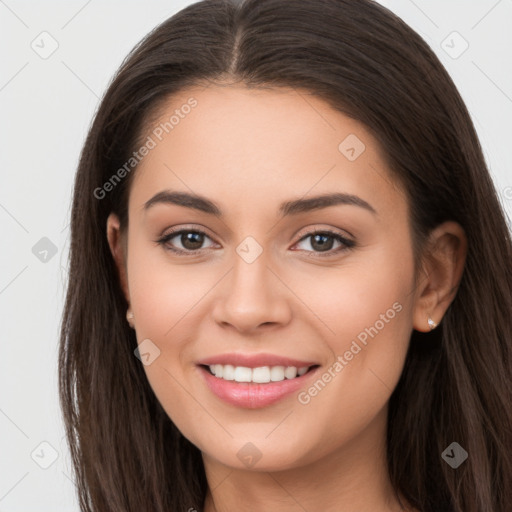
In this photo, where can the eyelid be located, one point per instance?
(169, 234)
(185, 227)
(346, 243)
(322, 228)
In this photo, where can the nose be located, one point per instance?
(252, 298)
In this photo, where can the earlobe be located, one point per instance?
(115, 242)
(443, 266)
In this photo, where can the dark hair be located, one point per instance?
(368, 64)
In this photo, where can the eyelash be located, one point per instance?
(346, 243)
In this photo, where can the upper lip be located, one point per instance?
(254, 360)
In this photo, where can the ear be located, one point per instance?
(118, 248)
(439, 279)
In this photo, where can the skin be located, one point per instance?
(249, 150)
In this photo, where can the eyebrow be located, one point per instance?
(293, 207)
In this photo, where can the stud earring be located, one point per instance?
(129, 317)
(431, 324)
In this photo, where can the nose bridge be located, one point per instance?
(250, 277)
(251, 295)
(251, 286)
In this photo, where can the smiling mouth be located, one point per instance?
(259, 375)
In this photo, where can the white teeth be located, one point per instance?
(219, 370)
(242, 374)
(290, 372)
(228, 372)
(260, 375)
(277, 373)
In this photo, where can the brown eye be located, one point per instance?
(322, 242)
(185, 241)
(192, 240)
(325, 242)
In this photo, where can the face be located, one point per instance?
(266, 237)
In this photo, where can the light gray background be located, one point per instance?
(46, 106)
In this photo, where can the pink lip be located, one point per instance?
(252, 395)
(255, 360)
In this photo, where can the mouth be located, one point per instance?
(258, 375)
(255, 387)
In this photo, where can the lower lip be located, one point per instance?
(252, 395)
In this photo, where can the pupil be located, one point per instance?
(192, 240)
(322, 242)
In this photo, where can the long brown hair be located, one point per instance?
(365, 62)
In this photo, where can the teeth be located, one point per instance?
(219, 370)
(242, 374)
(260, 375)
(290, 372)
(276, 373)
(228, 372)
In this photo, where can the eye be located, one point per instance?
(185, 241)
(324, 242)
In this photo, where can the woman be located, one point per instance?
(290, 274)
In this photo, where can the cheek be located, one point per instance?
(364, 298)
(163, 293)
(168, 302)
(369, 309)
(364, 308)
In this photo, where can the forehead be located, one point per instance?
(241, 145)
